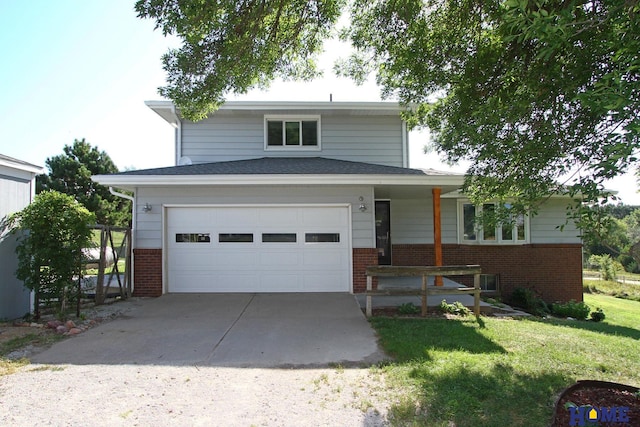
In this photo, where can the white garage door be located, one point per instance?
(258, 249)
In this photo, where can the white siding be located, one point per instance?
(545, 225)
(149, 225)
(240, 136)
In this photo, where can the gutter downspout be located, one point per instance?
(133, 228)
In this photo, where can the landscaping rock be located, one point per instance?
(70, 324)
(53, 324)
(61, 329)
(74, 331)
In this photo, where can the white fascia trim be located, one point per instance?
(291, 179)
(279, 105)
(22, 166)
(165, 108)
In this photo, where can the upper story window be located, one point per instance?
(292, 132)
(472, 230)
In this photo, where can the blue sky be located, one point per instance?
(77, 69)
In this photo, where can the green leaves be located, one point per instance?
(70, 173)
(55, 229)
(229, 47)
(541, 97)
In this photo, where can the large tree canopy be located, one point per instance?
(534, 93)
(230, 46)
(70, 173)
(541, 97)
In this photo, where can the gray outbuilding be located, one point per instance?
(17, 189)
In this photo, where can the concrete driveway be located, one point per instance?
(230, 330)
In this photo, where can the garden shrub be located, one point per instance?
(577, 310)
(526, 299)
(629, 264)
(54, 230)
(454, 308)
(598, 315)
(408, 308)
(605, 264)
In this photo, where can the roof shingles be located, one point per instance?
(280, 166)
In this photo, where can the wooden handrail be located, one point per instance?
(416, 271)
(424, 272)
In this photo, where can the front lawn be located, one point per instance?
(616, 289)
(504, 372)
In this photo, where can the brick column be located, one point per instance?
(147, 272)
(363, 258)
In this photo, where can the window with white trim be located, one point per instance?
(292, 132)
(472, 230)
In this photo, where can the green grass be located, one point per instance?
(619, 312)
(118, 237)
(121, 268)
(504, 372)
(616, 289)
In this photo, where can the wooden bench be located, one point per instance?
(424, 272)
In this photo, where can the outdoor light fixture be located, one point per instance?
(147, 207)
(363, 206)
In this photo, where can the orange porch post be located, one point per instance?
(437, 232)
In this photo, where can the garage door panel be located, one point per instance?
(190, 259)
(285, 262)
(192, 218)
(278, 217)
(322, 258)
(234, 258)
(237, 282)
(241, 216)
(281, 282)
(279, 259)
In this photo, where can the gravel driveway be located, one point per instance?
(106, 395)
(190, 395)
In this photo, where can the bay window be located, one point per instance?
(473, 229)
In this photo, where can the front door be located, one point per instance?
(383, 229)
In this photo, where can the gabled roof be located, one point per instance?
(280, 166)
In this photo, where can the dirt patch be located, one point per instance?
(9, 332)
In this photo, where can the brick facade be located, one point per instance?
(147, 272)
(363, 258)
(554, 271)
